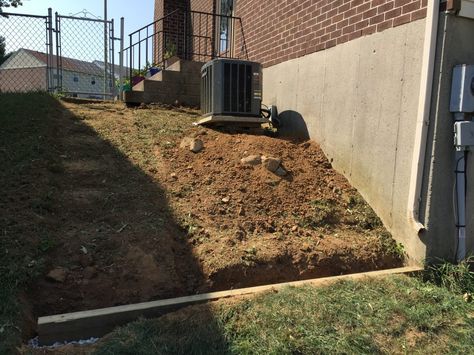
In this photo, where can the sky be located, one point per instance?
(137, 13)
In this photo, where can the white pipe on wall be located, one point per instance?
(423, 116)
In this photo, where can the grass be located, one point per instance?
(456, 278)
(26, 155)
(394, 315)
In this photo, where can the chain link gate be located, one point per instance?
(26, 46)
(85, 65)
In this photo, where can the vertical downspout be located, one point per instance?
(423, 116)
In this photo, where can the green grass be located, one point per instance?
(25, 155)
(394, 315)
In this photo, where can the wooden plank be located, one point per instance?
(98, 322)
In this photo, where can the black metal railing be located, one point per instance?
(190, 35)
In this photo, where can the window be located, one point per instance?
(76, 79)
(226, 9)
(93, 81)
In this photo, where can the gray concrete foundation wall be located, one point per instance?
(455, 46)
(359, 101)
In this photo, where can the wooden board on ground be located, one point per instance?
(96, 323)
(231, 120)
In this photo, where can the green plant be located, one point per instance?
(170, 50)
(323, 213)
(139, 72)
(456, 278)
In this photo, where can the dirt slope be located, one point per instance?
(138, 218)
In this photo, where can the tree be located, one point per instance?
(8, 3)
(3, 50)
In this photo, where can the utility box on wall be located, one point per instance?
(462, 94)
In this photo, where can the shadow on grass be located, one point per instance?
(74, 203)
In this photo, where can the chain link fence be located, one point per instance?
(70, 55)
(25, 52)
(85, 60)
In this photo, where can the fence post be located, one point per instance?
(122, 35)
(112, 59)
(50, 50)
(58, 54)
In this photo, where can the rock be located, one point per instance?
(467, 297)
(271, 164)
(196, 145)
(174, 176)
(306, 145)
(281, 172)
(226, 199)
(89, 272)
(294, 228)
(241, 211)
(185, 142)
(251, 160)
(58, 274)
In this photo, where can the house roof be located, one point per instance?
(69, 64)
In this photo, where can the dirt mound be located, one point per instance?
(135, 217)
(249, 225)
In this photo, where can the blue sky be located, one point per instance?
(137, 13)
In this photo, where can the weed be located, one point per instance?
(46, 243)
(456, 278)
(391, 246)
(324, 213)
(361, 214)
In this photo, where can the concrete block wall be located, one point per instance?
(359, 101)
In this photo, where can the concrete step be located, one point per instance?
(187, 66)
(166, 75)
(138, 97)
(176, 88)
(180, 82)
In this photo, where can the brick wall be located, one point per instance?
(280, 30)
(277, 31)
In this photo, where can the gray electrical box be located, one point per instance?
(462, 90)
(464, 135)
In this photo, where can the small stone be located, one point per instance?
(89, 272)
(226, 199)
(58, 274)
(271, 164)
(305, 145)
(294, 228)
(467, 297)
(174, 176)
(196, 145)
(241, 211)
(281, 172)
(251, 160)
(185, 142)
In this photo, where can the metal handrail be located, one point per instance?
(154, 22)
(196, 35)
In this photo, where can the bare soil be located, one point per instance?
(137, 218)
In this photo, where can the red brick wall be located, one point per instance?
(280, 30)
(277, 31)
